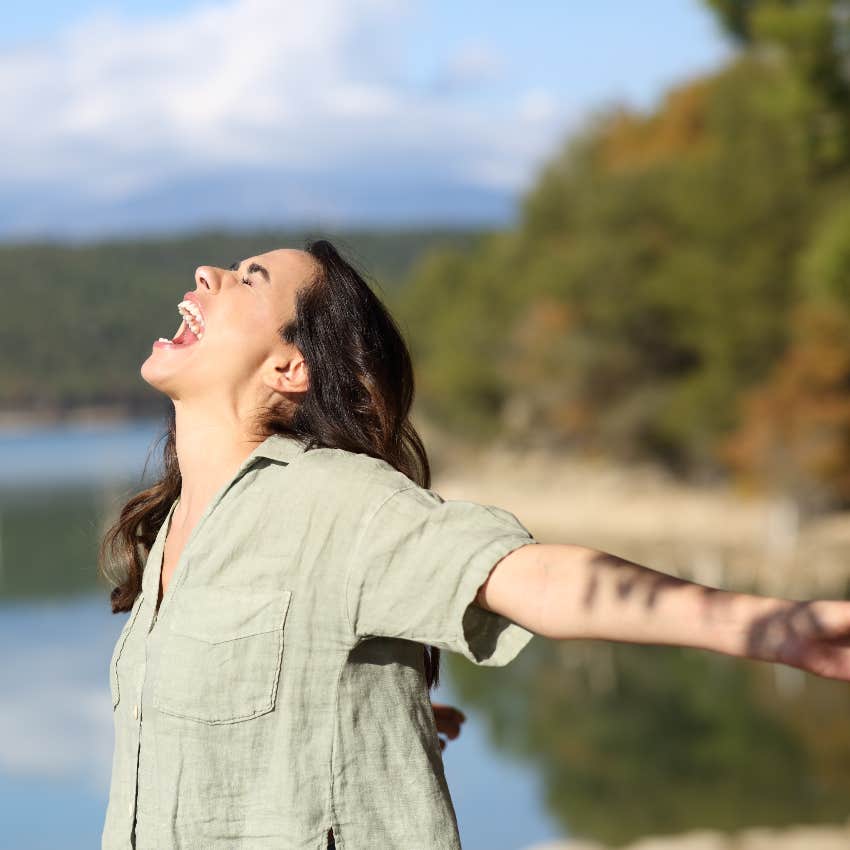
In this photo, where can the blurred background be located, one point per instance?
(617, 238)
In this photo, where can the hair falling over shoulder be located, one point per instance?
(359, 399)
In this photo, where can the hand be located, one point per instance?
(812, 635)
(448, 720)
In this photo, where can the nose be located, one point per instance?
(205, 276)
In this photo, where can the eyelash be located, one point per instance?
(245, 280)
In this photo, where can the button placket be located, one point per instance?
(178, 578)
(131, 805)
(180, 569)
(136, 731)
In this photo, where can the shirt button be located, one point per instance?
(136, 711)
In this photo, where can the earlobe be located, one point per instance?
(290, 384)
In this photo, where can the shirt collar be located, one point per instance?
(281, 447)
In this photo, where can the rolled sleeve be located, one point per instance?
(416, 569)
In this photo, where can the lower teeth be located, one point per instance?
(180, 331)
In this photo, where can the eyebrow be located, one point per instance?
(254, 267)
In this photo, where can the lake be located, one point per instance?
(585, 738)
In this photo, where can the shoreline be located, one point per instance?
(18, 419)
(823, 836)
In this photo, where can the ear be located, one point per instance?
(286, 371)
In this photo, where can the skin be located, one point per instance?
(448, 719)
(566, 591)
(240, 364)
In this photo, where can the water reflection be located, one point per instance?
(56, 729)
(58, 487)
(49, 541)
(621, 741)
(56, 496)
(638, 740)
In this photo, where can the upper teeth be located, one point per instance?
(192, 314)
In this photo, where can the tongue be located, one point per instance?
(186, 337)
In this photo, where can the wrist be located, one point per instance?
(747, 625)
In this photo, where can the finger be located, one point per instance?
(448, 726)
(448, 711)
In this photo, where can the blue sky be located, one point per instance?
(135, 117)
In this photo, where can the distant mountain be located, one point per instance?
(246, 199)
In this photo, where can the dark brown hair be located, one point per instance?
(359, 398)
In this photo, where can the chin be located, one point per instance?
(157, 373)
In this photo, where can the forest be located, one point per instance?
(78, 320)
(676, 286)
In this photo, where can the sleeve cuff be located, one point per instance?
(487, 638)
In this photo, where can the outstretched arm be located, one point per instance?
(564, 591)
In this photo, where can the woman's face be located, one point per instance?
(237, 356)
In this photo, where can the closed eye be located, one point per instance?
(254, 267)
(234, 266)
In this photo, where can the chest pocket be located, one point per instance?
(221, 656)
(119, 647)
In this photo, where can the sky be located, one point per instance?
(154, 117)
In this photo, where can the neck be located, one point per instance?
(210, 448)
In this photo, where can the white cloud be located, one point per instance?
(113, 108)
(73, 742)
(472, 63)
(538, 106)
(55, 706)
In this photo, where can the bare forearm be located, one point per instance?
(564, 591)
(588, 593)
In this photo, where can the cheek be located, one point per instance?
(241, 344)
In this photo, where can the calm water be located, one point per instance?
(593, 739)
(57, 635)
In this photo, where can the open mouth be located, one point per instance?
(191, 330)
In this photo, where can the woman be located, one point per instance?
(291, 582)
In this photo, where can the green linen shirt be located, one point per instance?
(280, 689)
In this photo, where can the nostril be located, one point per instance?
(200, 276)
